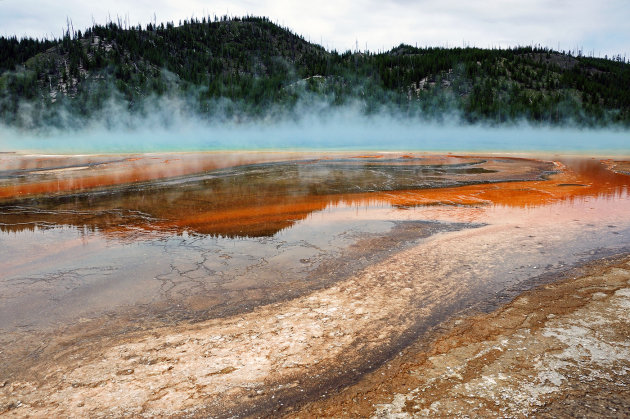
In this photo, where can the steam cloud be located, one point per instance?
(170, 125)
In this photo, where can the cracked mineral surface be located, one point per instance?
(312, 285)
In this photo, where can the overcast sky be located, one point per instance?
(601, 27)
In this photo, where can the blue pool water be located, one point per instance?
(338, 133)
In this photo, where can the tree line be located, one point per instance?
(258, 65)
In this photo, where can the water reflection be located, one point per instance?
(261, 199)
(226, 240)
(230, 235)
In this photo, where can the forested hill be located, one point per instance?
(251, 68)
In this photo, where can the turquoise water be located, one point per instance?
(384, 134)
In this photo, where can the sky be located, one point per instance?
(596, 27)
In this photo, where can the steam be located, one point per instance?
(169, 124)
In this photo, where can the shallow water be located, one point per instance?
(224, 241)
(214, 239)
(250, 229)
(341, 131)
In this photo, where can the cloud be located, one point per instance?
(600, 27)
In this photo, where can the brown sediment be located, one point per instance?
(575, 180)
(618, 166)
(240, 363)
(108, 171)
(541, 354)
(252, 208)
(290, 350)
(579, 181)
(246, 203)
(261, 220)
(526, 357)
(25, 176)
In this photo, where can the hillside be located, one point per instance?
(251, 68)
